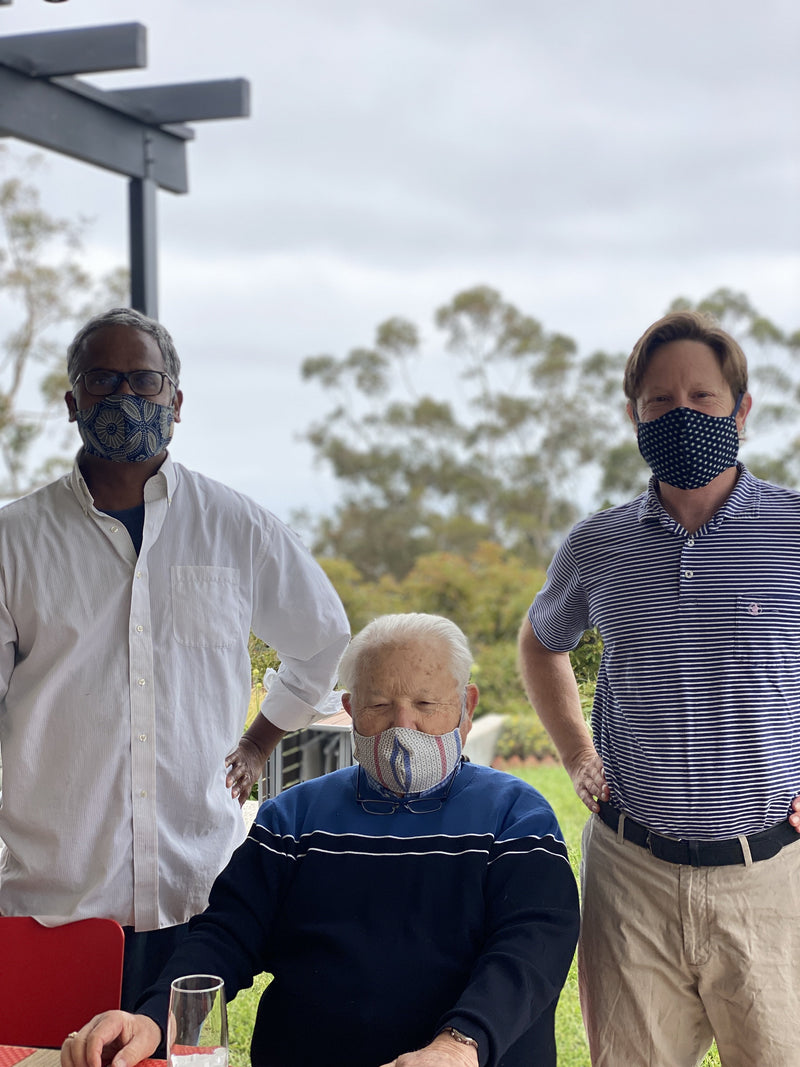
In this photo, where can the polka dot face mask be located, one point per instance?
(687, 448)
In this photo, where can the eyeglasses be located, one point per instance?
(99, 382)
(420, 806)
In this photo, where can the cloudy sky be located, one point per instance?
(592, 159)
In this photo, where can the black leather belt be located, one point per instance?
(763, 845)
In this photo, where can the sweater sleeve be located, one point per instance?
(231, 937)
(531, 934)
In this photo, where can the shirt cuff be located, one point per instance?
(286, 710)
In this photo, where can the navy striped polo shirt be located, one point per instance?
(697, 709)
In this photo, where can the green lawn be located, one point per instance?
(572, 1048)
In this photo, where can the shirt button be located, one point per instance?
(688, 574)
(139, 629)
(690, 542)
(142, 737)
(138, 574)
(143, 793)
(114, 529)
(141, 681)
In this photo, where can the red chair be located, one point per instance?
(53, 979)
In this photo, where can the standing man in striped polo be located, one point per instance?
(691, 877)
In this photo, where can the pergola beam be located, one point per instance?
(83, 51)
(227, 98)
(64, 118)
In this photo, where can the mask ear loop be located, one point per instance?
(463, 718)
(741, 433)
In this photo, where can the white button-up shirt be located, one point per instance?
(125, 682)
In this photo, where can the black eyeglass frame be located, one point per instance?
(121, 376)
(417, 806)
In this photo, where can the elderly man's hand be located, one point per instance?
(589, 780)
(114, 1037)
(443, 1051)
(794, 818)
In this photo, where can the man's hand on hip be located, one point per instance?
(589, 780)
(246, 763)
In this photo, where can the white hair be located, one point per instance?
(391, 630)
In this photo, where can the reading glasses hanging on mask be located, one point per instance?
(106, 382)
(389, 805)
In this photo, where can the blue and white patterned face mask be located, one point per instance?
(408, 761)
(125, 428)
(688, 448)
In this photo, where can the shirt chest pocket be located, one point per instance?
(206, 608)
(767, 628)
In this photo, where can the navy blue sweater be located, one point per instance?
(381, 930)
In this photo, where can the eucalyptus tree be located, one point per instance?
(45, 290)
(483, 432)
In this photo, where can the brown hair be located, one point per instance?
(686, 326)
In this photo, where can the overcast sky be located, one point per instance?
(592, 159)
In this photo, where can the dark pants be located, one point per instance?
(146, 953)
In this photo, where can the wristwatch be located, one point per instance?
(458, 1036)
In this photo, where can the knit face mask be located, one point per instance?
(408, 761)
(125, 428)
(687, 448)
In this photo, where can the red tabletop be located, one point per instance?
(9, 1055)
(46, 1057)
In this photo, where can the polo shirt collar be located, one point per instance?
(744, 501)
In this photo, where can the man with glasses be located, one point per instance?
(128, 590)
(414, 902)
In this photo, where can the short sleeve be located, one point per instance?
(559, 613)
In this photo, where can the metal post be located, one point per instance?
(143, 241)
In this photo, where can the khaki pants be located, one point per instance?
(672, 956)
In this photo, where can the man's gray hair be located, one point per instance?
(125, 317)
(389, 631)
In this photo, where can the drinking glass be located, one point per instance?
(197, 1026)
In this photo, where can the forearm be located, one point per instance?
(532, 921)
(552, 690)
(263, 735)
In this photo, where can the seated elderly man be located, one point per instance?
(413, 902)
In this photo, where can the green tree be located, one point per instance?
(495, 458)
(44, 288)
